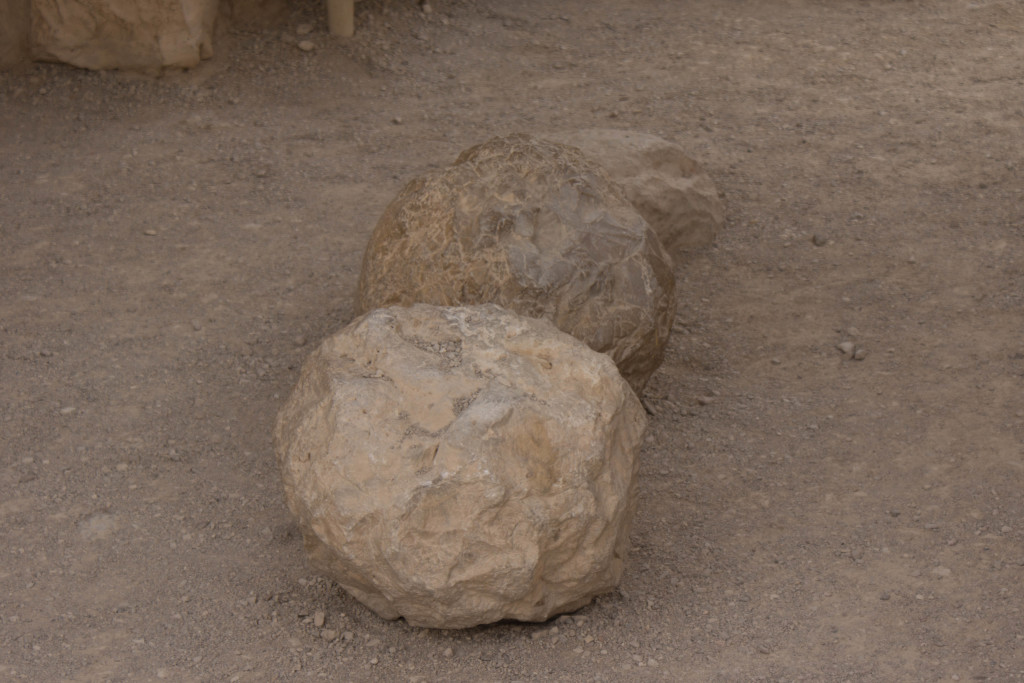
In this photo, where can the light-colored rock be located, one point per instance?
(668, 188)
(459, 466)
(537, 228)
(123, 34)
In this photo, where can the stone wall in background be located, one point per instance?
(13, 31)
(254, 13)
(122, 34)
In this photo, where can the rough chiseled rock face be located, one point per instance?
(537, 228)
(670, 190)
(123, 34)
(459, 466)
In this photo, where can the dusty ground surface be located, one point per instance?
(172, 249)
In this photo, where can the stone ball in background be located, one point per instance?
(535, 227)
(459, 466)
(669, 189)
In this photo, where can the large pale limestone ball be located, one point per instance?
(460, 466)
(668, 188)
(535, 227)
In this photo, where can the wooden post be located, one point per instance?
(341, 17)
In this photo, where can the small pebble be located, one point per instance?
(149, 233)
(448, 652)
(330, 635)
(397, 120)
(67, 410)
(705, 400)
(318, 619)
(860, 354)
(307, 45)
(845, 347)
(819, 240)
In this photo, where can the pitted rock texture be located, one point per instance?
(537, 228)
(669, 189)
(459, 466)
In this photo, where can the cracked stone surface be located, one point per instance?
(460, 466)
(538, 228)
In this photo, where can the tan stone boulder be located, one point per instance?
(535, 227)
(459, 466)
(123, 34)
(669, 189)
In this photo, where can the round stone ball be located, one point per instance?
(535, 227)
(460, 466)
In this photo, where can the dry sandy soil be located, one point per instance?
(173, 248)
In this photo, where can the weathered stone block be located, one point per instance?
(123, 34)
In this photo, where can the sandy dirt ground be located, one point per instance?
(173, 248)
